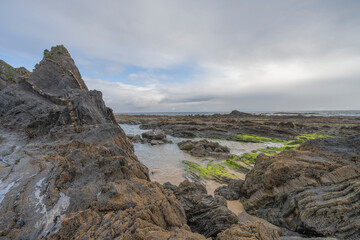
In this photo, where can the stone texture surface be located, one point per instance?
(230, 191)
(314, 191)
(10, 75)
(205, 148)
(206, 214)
(249, 231)
(68, 171)
(155, 137)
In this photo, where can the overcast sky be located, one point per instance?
(192, 55)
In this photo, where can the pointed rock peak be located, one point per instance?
(57, 73)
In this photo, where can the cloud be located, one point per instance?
(254, 55)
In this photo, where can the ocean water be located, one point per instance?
(347, 113)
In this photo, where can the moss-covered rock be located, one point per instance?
(211, 171)
(305, 137)
(256, 139)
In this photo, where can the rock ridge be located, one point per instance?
(314, 191)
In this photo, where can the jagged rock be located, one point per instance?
(230, 191)
(57, 73)
(205, 148)
(10, 75)
(314, 191)
(249, 231)
(206, 214)
(134, 138)
(67, 169)
(155, 137)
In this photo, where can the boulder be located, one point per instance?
(134, 138)
(205, 148)
(206, 214)
(230, 191)
(156, 137)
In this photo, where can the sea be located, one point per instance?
(347, 113)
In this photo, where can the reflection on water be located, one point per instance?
(164, 161)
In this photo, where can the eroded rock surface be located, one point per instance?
(314, 191)
(206, 214)
(156, 137)
(249, 231)
(230, 191)
(205, 148)
(67, 169)
(10, 75)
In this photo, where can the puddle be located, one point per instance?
(164, 161)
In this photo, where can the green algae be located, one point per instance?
(267, 151)
(233, 164)
(211, 171)
(248, 158)
(306, 137)
(256, 139)
(293, 144)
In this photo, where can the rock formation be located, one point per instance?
(230, 191)
(206, 214)
(10, 75)
(67, 169)
(205, 148)
(155, 137)
(314, 191)
(249, 231)
(236, 113)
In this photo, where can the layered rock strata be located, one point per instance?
(314, 191)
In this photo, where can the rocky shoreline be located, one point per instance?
(308, 188)
(228, 126)
(68, 171)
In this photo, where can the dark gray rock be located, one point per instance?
(156, 137)
(10, 75)
(205, 148)
(134, 139)
(57, 73)
(206, 214)
(230, 191)
(236, 113)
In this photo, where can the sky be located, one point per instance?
(197, 55)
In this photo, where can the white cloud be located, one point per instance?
(251, 54)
